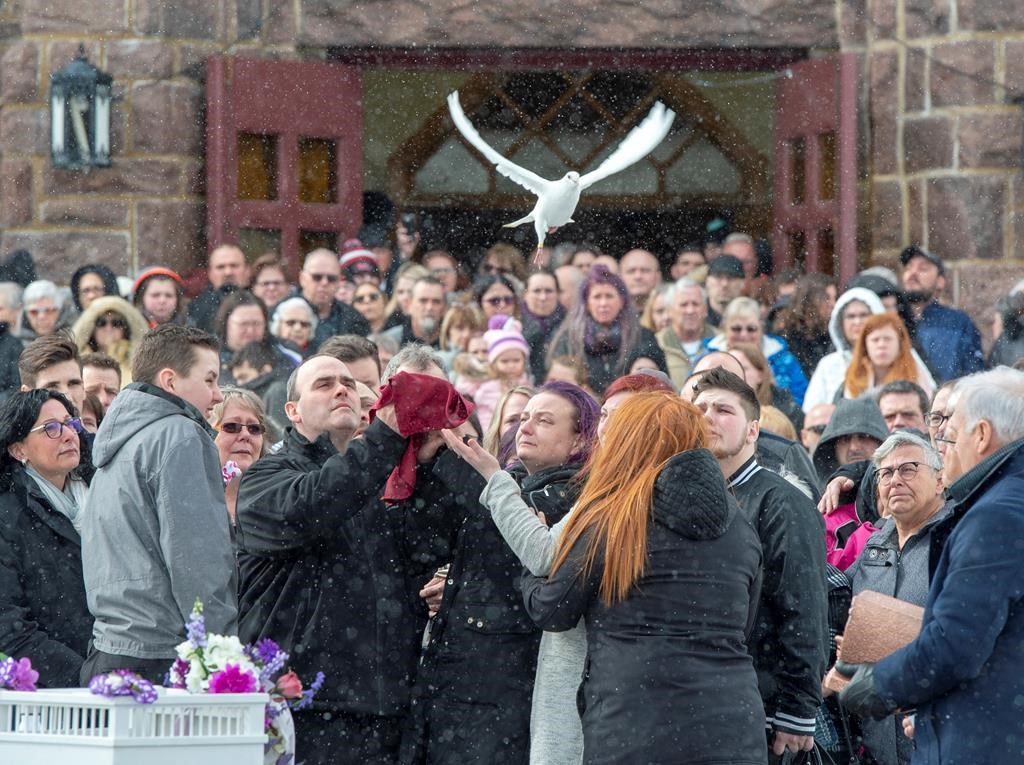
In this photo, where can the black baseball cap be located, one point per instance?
(726, 265)
(913, 251)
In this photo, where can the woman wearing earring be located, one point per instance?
(43, 479)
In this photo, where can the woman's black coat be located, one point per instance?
(668, 676)
(43, 613)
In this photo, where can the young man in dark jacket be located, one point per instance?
(790, 637)
(328, 571)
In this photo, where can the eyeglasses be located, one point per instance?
(943, 440)
(907, 471)
(371, 298)
(115, 322)
(502, 300)
(54, 429)
(748, 328)
(297, 323)
(92, 290)
(272, 283)
(41, 311)
(329, 278)
(234, 428)
(935, 419)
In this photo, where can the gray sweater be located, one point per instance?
(556, 733)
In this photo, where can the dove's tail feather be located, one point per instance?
(520, 222)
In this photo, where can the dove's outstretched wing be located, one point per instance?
(640, 141)
(522, 176)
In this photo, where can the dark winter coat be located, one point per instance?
(965, 670)
(323, 569)
(790, 639)
(202, 309)
(43, 613)
(668, 677)
(602, 369)
(780, 455)
(10, 351)
(342, 320)
(475, 683)
(538, 331)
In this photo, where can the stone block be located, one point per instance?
(884, 79)
(138, 59)
(1014, 77)
(15, 192)
(926, 18)
(927, 143)
(915, 81)
(279, 26)
(963, 73)
(171, 232)
(886, 215)
(74, 17)
(192, 60)
(989, 16)
(84, 212)
(25, 130)
(966, 215)
(882, 17)
(53, 251)
(990, 140)
(248, 19)
(125, 176)
(915, 209)
(195, 177)
(166, 118)
(186, 19)
(19, 73)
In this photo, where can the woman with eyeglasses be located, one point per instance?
(90, 282)
(496, 295)
(741, 323)
(370, 302)
(43, 312)
(242, 319)
(241, 425)
(113, 326)
(269, 283)
(44, 474)
(603, 329)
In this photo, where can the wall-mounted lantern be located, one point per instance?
(80, 115)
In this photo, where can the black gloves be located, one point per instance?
(860, 696)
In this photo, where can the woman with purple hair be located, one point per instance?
(477, 673)
(603, 329)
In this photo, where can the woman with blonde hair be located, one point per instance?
(655, 316)
(241, 426)
(882, 353)
(499, 438)
(665, 571)
(757, 373)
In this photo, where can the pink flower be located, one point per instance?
(289, 685)
(232, 679)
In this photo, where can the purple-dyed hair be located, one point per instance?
(576, 326)
(588, 412)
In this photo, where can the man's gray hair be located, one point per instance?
(41, 289)
(416, 355)
(685, 283)
(292, 302)
(996, 396)
(907, 438)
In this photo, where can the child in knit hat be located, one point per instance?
(508, 355)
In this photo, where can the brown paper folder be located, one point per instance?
(878, 626)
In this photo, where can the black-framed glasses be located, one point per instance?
(373, 297)
(54, 428)
(943, 440)
(329, 278)
(500, 300)
(740, 328)
(906, 470)
(935, 419)
(234, 428)
(114, 322)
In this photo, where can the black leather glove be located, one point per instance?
(860, 696)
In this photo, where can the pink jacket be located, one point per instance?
(845, 536)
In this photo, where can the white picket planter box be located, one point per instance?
(71, 726)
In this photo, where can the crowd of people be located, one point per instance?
(594, 510)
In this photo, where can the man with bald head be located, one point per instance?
(569, 280)
(318, 280)
(226, 271)
(641, 272)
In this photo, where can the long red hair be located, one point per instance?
(860, 373)
(645, 432)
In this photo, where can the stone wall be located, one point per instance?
(946, 138)
(148, 206)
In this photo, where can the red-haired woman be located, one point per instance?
(882, 353)
(665, 572)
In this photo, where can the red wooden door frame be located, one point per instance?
(291, 100)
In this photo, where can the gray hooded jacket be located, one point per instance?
(862, 416)
(155, 533)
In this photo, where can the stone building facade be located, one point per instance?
(940, 134)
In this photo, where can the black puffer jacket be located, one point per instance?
(669, 678)
(323, 569)
(43, 614)
(475, 684)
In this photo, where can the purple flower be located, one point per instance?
(309, 693)
(123, 682)
(232, 679)
(17, 674)
(176, 677)
(195, 627)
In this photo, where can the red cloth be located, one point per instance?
(423, 403)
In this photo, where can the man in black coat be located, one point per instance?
(318, 280)
(227, 271)
(329, 572)
(790, 637)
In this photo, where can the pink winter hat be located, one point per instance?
(503, 333)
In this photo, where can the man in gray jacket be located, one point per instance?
(155, 533)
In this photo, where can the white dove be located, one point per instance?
(557, 200)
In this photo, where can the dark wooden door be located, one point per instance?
(815, 198)
(284, 155)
